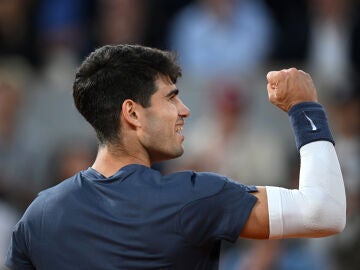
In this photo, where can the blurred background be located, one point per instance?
(225, 48)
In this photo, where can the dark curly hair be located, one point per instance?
(114, 73)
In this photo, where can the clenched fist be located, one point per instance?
(288, 87)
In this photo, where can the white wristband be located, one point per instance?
(318, 207)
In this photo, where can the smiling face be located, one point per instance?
(162, 122)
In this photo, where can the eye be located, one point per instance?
(172, 98)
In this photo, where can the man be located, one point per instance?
(121, 214)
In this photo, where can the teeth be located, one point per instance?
(179, 129)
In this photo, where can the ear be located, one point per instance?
(130, 113)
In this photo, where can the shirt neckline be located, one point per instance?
(123, 172)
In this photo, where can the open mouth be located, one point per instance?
(179, 130)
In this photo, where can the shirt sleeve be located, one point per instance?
(16, 257)
(220, 216)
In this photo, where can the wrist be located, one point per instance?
(309, 123)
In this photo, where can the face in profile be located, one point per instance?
(163, 121)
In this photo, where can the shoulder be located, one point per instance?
(203, 184)
(65, 187)
(218, 212)
(196, 179)
(47, 197)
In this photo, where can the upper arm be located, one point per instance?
(257, 225)
(17, 253)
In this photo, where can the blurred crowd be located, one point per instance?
(225, 48)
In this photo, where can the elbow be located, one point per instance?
(337, 216)
(336, 226)
(339, 225)
(328, 218)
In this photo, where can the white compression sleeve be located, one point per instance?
(318, 207)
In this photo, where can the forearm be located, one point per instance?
(318, 207)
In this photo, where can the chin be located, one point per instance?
(168, 156)
(176, 155)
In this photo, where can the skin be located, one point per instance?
(153, 134)
(286, 88)
(149, 134)
(162, 122)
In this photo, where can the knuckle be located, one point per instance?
(304, 73)
(272, 75)
(293, 70)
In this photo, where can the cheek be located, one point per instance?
(163, 118)
(157, 128)
(159, 123)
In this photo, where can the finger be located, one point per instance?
(305, 74)
(271, 92)
(272, 75)
(270, 87)
(272, 96)
(291, 70)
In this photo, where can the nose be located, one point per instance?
(184, 111)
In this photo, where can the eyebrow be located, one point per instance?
(173, 92)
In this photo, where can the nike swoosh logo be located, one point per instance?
(313, 127)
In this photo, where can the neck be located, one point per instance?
(110, 159)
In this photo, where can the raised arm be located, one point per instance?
(318, 207)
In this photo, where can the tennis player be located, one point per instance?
(121, 214)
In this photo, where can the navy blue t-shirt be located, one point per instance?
(135, 219)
